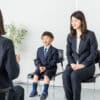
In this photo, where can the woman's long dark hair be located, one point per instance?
(80, 16)
(2, 31)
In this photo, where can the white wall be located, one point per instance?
(50, 15)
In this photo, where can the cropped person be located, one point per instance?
(9, 67)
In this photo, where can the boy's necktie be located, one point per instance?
(45, 52)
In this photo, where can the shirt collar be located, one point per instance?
(47, 47)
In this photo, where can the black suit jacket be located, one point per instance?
(87, 49)
(9, 68)
(50, 62)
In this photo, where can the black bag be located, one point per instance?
(17, 93)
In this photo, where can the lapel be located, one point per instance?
(81, 45)
(49, 51)
(42, 53)
(74, 43)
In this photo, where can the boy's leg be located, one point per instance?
(47, 77)
(46, 86)
(35, 83)
(36, 79)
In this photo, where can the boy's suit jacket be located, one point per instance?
(50, 61)
(87, 49)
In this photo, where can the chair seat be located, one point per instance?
(90, 80)
(30, 75)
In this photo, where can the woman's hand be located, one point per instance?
(18, 58)
(80, 66)
(77, 66)
(74, 66)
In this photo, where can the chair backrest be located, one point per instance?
(97, 60)
(60, 55)
(35, 62)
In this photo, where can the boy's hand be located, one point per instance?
(42, 69)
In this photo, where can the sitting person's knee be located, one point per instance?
(35, 77)
(46, 78)
(74, 76)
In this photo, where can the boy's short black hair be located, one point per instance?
(46, 33)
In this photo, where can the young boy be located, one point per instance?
(47, 57)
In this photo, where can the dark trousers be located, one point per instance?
(72, 81)
(17, 93)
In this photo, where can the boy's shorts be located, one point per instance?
(49, 73)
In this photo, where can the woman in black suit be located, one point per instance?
(9, 68)
(81, 54)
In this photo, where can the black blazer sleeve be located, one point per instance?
(69, 51)
(38, 61)
(93, 49)
(54, 60)
(11, 65)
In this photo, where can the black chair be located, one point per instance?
(93, 79)
(5, 92)
(60, 60)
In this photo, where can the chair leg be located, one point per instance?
(40, 87)
(54, 89)
(6, 95)
(82, 94)
(27, 85)
(94, 92)
(53, 84)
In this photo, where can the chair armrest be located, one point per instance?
(62, 66)
(61, 62)
(30, 75)
(97, 75)
(99, 64)
(35, 62)
(5, 90)
(57, 74)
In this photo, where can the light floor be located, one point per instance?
(57, 93)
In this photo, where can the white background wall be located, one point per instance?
(47, 15)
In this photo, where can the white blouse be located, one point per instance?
(77, 48)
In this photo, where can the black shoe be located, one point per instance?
(33, 94)
(44, 96)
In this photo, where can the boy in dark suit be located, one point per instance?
(47, 57)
